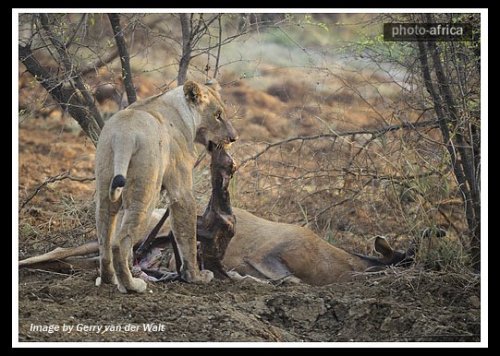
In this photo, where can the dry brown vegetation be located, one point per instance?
(310, 153)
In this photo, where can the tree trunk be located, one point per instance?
(67, 96)
(445, 109)
(186, 49)
(75, 78)
(114, 19)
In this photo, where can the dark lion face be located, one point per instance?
(215, 126)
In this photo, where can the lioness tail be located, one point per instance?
(116, 188)
(122, 152)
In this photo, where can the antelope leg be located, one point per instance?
(61, 253)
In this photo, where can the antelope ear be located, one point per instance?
(383, 247)
(192, 92)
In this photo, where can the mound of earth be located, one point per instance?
(396, 305)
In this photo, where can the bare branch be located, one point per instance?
(106, 59)
(70, 41)
(69, 67)
(59, 177)
(114, 19)
(216, 70)
(198, 32)
(65, 96)
(186, 49)
(376, 132)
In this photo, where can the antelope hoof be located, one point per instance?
(204, 276)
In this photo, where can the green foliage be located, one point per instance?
(307, 20)
(27, 231)
(374, 46)
(441, 253)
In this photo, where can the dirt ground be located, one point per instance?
(394, 306)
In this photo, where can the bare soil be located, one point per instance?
(390, 307)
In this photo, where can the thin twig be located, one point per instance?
(201, 157)
(70, 41)
(111, 56)
(100, 62)
(378, 132)
(69, 67)
(59, 177)
(218, 48)
(46, 271)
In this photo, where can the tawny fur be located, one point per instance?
(271, 250)
(152, 145)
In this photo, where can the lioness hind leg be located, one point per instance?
(183, 220)
(134, 224)
(106, 214)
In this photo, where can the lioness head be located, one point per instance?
(214, 126)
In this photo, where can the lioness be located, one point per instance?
(142, 149)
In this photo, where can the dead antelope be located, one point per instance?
(260, 248)
(276, 251)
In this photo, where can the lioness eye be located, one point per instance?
(218, 116)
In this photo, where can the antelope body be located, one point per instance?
(270, 250)
(260, 248)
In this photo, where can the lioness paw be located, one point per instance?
(206, 276)
(137, 286)
(105, 280)
(100, 281)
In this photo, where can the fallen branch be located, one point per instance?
(59, 177)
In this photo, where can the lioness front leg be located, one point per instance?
(183, 215)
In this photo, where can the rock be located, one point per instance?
(475, 301)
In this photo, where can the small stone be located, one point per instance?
(475, 301)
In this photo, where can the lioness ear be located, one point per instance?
(383, 247)
(192, 92)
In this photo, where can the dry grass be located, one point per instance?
(347, 189)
